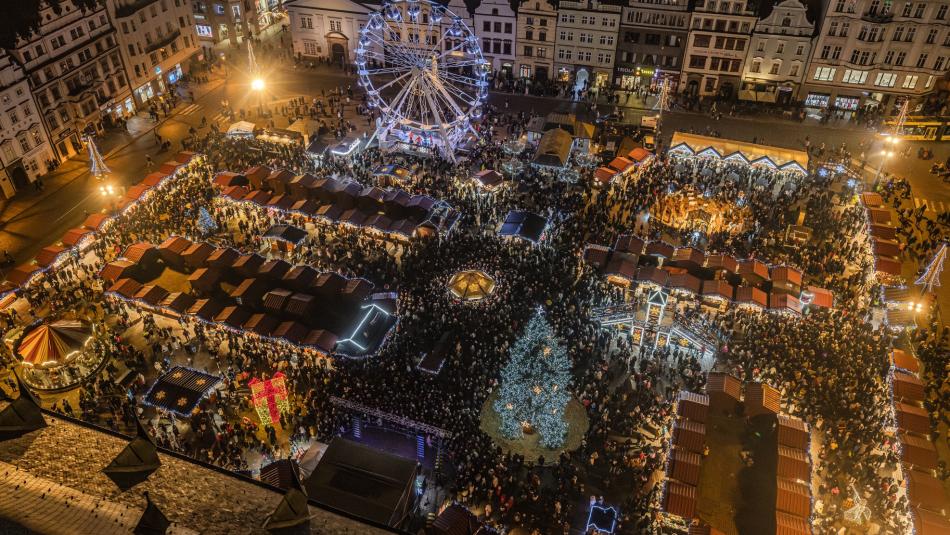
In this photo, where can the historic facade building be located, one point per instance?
(494, 25)
(586, 44)
(871, 53)
(225, 20)
(651, 41)
(24, 146)
(719, 36)
(537, 27)
(157, 40)
(76, 75)
(778, 55)
(327, 29)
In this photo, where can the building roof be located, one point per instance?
(554, 149)
(193, 495)
(728, 149)
(363, 481)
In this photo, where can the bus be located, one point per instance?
(921, 128)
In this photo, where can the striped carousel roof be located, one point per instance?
(54, 344)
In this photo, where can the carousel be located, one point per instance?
(58, 355)
(471, 285)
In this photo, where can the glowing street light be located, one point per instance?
(257, 84)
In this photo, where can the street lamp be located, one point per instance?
(257, 84)
(885, 154)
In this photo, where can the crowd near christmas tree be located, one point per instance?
(831, 364)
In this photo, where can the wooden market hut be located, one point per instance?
(275, 300)
(262, 324)
(753, 271)
(793, 497)
(178, 302)
(908, 387)
(792, 432)
(196, 255)
(300, 277)
(222, 257)
(118, 269)
(724, 391)
(904, 361)
(721, 262)
(143, 253)
(629, 244)
(248, 265)
(274, 269)
(292, 331)
(751, 296)
(786, 524)
(300, 305)
(205, 281)
(689, 434)
(206, 309)
(761, 398)
(126, 288)
(250, 292)
(685, 282)
(918, 451)
(693, 406)
(151, 294)
(717, 289)
(321, 339)
(171, 251)
(793, 463)
(233, 316)
(684, 466)
(912, 418)
(786, 279)
(679, 499)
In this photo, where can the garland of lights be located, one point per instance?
(534, 384)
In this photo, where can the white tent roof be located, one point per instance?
(241, 127)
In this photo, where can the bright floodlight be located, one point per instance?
(257, 84)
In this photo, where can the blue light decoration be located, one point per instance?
(602, 519)
(534, 385)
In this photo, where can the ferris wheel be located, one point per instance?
(421, 66)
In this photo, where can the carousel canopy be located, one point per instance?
(180, 390)
(727, 149)
(54, 344)
(471, 285)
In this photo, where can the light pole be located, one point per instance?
(887, 151)
(257, 84)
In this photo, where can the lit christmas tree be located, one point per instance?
(534, 386)
(206, 223)
(930, 279)
(97, 166)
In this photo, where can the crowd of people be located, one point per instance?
(830, 365)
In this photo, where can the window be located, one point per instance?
(910, 82)
(507, 48)
(542, 36)
(907, 7)
(699, 41)
(23, 141)
(844, 29)
(529, 21)
(528, 51)
(799, 50)
(497, 27)
(898, 33)
(756, 66)
(697, 62)
(486, 26)
(219, 9)
(336, 25)
(825, 74)
(931, 36)
(854, 77)
(885, 79)
(542, 52)
(889, 57)
(921, 59)
(833, 28)
(939, 63)
(863, 34)
(825, 51)
(236, 11)
(776, 65)
(900, 58)
(911, 33)
(600, 57)
(780, 49)
(942, 12)
(584, 56)
(794, 70)
(508, 27)
(839, 6)
(12, 115)
(761, 46)
(919, 12)
(875, 5)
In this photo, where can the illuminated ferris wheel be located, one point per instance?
(423, 69)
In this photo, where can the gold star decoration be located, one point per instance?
(182, 401)
(177, 375)
(160, 395)
(546, 350)
(201, 382)
(536, 390)
(509, 406)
